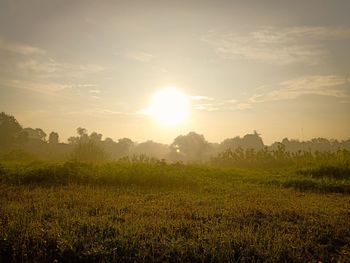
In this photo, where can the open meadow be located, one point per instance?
(148, 210)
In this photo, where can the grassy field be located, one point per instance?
(152, 211)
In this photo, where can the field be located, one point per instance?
(142, 211)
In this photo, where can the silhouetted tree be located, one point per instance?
(124, 147)
(73, 140)
(10, 130)
(190, 147)
(36, 134)
(108, 140)
(152, 149)
(88, 152)
(22, 137)
(83, 135)
(96, 137)
(249, 141)
(81, 131)
(41, 134)
(53, 138)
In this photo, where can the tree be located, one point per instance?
(41, 134)
(53, 138)
(253, 141)
(109, 141)
(124, 146)
(83, 136)
(35, 134)
(249, 141)
(88, 152)
(96, 137)
(22, 136)
(152, 149)
(73, 140)
(81, 131)
(10, 130)
(190, 147)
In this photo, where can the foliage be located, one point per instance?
(53, 138)
(19, 156)
(327, 171)
(279, 158)
(190, 147)
(88, 152)
(10, 130)
(249, 141)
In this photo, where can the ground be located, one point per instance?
(171, 212)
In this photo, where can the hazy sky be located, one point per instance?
(279, 67)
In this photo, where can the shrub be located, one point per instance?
(327, 171)
(88, 152)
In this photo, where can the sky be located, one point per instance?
(279, 67)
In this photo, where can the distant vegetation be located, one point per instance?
(34, 144)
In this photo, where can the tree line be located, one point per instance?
(19, 143)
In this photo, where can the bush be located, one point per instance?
(18, 155)
(327, 171)
(88, 152)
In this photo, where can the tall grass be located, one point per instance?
(279, 158)
(144, 210)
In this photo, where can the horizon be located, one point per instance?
(153, 71)
(115, 139)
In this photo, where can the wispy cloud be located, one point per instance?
(20, 48)
(31, 68)
(105, 112)
(198, 98)
(205, 103)
(319, 85)
(277, 45)
(323, 85)
(38, 63)
(95, 91)
(50, 88)
(48, 66)
(140, 56)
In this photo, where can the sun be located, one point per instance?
(169, 107)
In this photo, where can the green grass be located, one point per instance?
(152, 211)
(328, 171)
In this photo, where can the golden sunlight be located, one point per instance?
(169, 107)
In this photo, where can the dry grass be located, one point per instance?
(125, 212)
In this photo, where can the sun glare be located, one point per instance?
(169, 107)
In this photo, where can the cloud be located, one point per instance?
(140, 56)
(20, 48)
(204, 103)
(51, 88)
(106, 112)
(95, 91)
(30, 68)
(277, 45)
(323, 85)
(207, 107)
(95, 97)
(243, 106)
(318, 85)
(196, 98)
(48, 66)
(28, 62)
